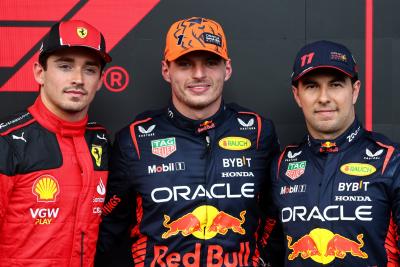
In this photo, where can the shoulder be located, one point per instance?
(249, 118)
(381, 139)
(15, 122)
(143, 124)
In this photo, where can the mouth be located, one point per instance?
(199, 87)
(325, 112)
(76, 92)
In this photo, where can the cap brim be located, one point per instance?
(104, 56)
(320, 67)
(175, 56)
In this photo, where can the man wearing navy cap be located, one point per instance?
(336, 194)
(53, 163)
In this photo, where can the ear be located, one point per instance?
(356, 91)
(228, 69)
(165, 71)
(38, 73)
(296, 96)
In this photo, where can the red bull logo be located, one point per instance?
(204, 222)
(215, 256)
(328, 147)
(186, 224)
(322, 246)
(223, 222)
(206, 125)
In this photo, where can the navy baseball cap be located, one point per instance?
(324, 54)
(74, 33)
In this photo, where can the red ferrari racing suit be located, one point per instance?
(52, 177)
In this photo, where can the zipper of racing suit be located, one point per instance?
(207, 157)
(82, 244)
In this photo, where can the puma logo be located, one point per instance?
(15, 137)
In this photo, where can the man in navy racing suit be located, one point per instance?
(193, 174)
(336, 194)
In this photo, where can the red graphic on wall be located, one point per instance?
(116, 79)
(115, 19)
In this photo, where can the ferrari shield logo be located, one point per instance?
(296, 169)
(82, 32)
(97, 151)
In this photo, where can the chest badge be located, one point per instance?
(97, 151)
(163, 147)
(296, 169)
(357, 169)
(46, 188)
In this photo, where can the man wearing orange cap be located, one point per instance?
(53, 163)
(191, 175)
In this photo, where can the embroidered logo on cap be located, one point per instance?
(82, 32)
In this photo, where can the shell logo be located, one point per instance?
(46, 188)
(234, 143)
(358, 169)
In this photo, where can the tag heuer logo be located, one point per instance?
(163, 147)
(82, 32)
(296, 169)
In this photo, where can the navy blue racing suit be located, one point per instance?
(337, 201)
(193, 188)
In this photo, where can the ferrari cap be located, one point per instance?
(74, 33)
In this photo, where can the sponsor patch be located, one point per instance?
(371, 155)
(234, 143)
(163, 147)
(210, 38)
(298, 188)
(358, 169)
(168, 167)
(146, 132)
(205, 126)
(246, 125)
(46, 188)
(336, 56)
(96, 152)
(296, 169)
(17, 137)
(293, 155)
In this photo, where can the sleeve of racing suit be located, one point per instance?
(392, 242)
(118, 217)
(7, 161)
(270, 230)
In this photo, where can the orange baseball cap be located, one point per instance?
(194, 34)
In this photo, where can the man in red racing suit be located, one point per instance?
(53, 163)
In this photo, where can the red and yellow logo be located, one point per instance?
(46, 188)
(323, 246)
(204, 222)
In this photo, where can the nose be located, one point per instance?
(77, 77)
(324, 95)
(199, 71)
